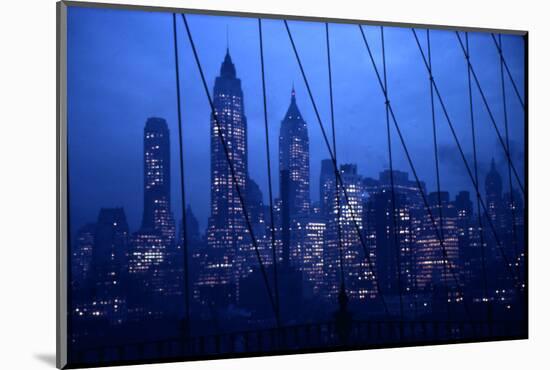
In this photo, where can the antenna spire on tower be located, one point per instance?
(227, 37)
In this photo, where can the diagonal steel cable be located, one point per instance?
(491, 116)
(338, 224)
(231, 167)
(437, 172)
(476, 173)
(392, 184)
(498, 45)
(335, 166)
(182, 176)
(269, 181)
(512, 210)
(413, 169)
(463, 156)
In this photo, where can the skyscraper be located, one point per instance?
(257, 214)
(147, 273)
(294, 158)
(379, 227)
(433, 269)
(494, 205)
(506, 215)
(327, 182)
(81, 256)
(468, 241)
(154, 263)
(157, 215)
(227, 230)
(392, 243)
(344, 226)
(109, 264)
(308, 240)
(493, 195)
(515, 228)
(294, 178)
(193, 231)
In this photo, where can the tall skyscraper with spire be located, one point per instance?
(227, 230)
(294, 158)
(293, 178)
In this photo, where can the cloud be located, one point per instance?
(449, 156)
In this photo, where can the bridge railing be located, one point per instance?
(303, 337)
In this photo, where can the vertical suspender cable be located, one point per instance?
(498, 45)
(512, 210)
(182, 179)
(410, 161)
(438, 178)
(397, 247)
(491, 116)
(461, 151)
(230, 165)
(270, 187)
(337, 187)
(335, 166)
(476, 174)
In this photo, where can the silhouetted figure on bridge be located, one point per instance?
(342, 317)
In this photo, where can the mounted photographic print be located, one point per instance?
(234, 185)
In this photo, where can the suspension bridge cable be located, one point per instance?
(182, 178)
(437, 172)
(230, 165)
(507, 137)
(413, 169)
(392, 183)
(476, 174)
(463, 156)
(498, 45)
(269, 182)
(331, 97)
(335, 165)
(491, 116)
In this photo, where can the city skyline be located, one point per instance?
(346, 239)
(151, 83)
(228, 239)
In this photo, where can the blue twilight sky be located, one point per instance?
(121, 71)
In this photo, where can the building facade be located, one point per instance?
(227, 236)
(294, 159)
(157, 214)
